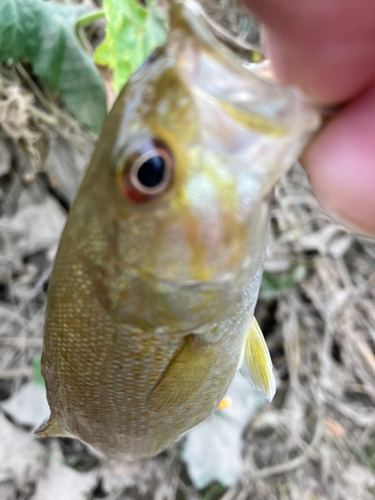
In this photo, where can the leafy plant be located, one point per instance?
(43, 34)
(273, 285)
(214, 491)
(38, 379)
(132, 34)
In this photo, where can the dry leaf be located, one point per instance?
(34, 227)
(66, 163)
(28, 406)
(60, 482)
(117, 476)
(212, 450)
(22, 459)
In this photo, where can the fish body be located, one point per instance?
(151, 300)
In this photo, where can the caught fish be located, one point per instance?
(151, 300)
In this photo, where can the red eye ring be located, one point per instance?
(148, 172)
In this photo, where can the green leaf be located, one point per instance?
(132, 34)
(273, 285)
(214, 491)
(38, 379)
(43, 33)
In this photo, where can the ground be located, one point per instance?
(315, 441)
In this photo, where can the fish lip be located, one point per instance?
(219, 282)
(224, 280)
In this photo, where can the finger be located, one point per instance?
(341, 164)
(326, 47)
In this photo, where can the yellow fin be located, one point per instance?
(224, 403)
(256, 364)
(187, 371)
(51, 428)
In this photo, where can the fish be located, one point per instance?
(150, 307)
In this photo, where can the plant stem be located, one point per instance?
(90, 18)
(84, 21)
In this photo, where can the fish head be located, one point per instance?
(182, 176)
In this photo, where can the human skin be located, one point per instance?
(327, 48)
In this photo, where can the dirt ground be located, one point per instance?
(316, 441)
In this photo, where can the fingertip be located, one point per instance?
(324, 47)
(341, 165)
(281, 62)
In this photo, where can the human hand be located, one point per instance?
(327, 48)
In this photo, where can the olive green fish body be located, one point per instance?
(157, 273)
(105, 399)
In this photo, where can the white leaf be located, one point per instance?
(212, 450)
(28, 406)
(21, 457)
(60, 482)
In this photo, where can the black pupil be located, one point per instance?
(151, 172)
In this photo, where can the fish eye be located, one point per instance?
(148, 173)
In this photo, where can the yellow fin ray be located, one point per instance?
(256, 364)
(186, 373)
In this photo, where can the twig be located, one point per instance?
(280, 468)
(34, 88)
(309, 450)
(293, 464)
(21, 342)
(229, 494)
(363, 389)
(187, 491)
(18, 372)
(250, 51)
(49, 120)
(32, 293)
(360, 418)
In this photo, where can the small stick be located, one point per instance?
(250, 51)
(18, 372)
(29, 297)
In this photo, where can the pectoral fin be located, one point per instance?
(51, 428)
(256, 364)
(183, 377)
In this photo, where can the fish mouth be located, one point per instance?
(218, 281)
(224, 280)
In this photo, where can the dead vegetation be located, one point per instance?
(315, 442)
